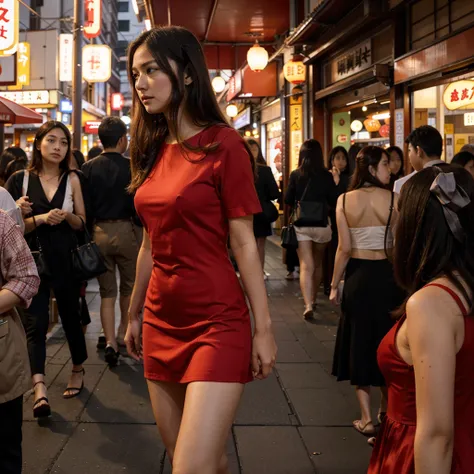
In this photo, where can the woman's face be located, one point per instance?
(54, 146)
(254, 149)
(340, 161)
(383, 170)
(153, 86)
(395, 163)
(470, 167)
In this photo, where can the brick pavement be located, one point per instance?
(298, 421)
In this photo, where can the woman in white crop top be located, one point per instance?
(365, 218)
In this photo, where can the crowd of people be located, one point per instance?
(394, 251)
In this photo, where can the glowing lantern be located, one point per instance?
(372, 125)
(257, 57)
(384, 131)
(356, 126)
(93, 18)
(218, 84)
(295, 71)
(232, 110)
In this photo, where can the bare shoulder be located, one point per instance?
(75, 181)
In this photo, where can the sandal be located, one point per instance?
(44, 410)
(363, 429)
(308, 314)
(76, 390)
(381, 416)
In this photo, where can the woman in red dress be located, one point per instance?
(427, 358)
(194, 186)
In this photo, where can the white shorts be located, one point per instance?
(320, 235)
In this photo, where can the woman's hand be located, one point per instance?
(335, 297)
(133, 339)
(336, 174)
(264, 351)
(55, 217)
(25, 205)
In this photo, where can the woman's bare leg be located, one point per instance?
(305, 254)
(261, 250)
(318, 255)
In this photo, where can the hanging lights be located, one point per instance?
(257, 57)
(232, 110)
(295, 71)
(218, 84)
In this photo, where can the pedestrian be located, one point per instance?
(341, 173)
(469, 147)
(311, 185)
(58, 211)
(77, 160)
(396, 164)
(427, 357)
(365, 220)
(115, 228)
(194, 186)
(267, 191)
(466, 160)
(19, 283)
(9, 155)
(425, 145)
(94, 152)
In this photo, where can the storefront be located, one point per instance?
(244, 123)
(91, 118)
(272, 138)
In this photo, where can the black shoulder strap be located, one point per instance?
(305, 190)
(344, 202)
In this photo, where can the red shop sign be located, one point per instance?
(92, 127)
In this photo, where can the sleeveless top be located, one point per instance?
(394, 449)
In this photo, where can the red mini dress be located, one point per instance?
(196, 324)
(394, 447)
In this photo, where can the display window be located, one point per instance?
(450, 109)
(274, 149)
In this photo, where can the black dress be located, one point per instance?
(267, 190)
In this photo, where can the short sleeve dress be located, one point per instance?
(196, 323)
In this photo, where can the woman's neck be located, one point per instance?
(186, 128)
(49, 169)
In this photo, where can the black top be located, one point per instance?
(108, 177)
(320, 189)
(57, 241)
(266, 186)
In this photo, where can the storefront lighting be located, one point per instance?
(295, 71)
(382, 116)
(232, 110)
(364, 108)
(385, 102)
(254, 125)
(248, 134)
(352, 103)
(257, 57)
(356, 126)
(147, 24)
(218, 84)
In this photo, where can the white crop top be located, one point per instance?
(371, 238)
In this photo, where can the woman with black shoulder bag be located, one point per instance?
(311, 192)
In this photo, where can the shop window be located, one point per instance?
(450, 109)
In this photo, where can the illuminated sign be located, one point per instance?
(23, 60)
(96, 62)
(65, 106)
(459, 94)
(93, 18)
(92, 126)
(9, 26)
(116, 101)
(65, 57)
(469, 119)
(27, 97)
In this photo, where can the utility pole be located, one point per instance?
(77, 77)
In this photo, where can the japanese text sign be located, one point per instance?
(96, 62)
(27, 97)
(65, 57)
(9, 26)
(351, 62)
(23, 66)
(459, 94)
(92, 18)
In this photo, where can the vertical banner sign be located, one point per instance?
(296, 129)
(65, 57)
(23, 66)
(92, 18)
(9, 26)
(96, 63)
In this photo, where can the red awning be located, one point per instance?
(11, 112)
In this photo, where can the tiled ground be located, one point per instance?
(298, 421)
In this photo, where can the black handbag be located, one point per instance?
(38, 256)
(87, 261)
(288, 235)
(270, 211)
(311, 213)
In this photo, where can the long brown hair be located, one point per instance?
(149, 131)
(367, 157)
(37, 160)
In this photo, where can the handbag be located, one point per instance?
(288, 235)
(270, 211)
(311, 213)
(87, 261)
(39, 258)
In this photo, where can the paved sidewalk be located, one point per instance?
(298, 421)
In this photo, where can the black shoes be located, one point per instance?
(101, 343)
(111, 356)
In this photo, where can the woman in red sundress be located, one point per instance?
(194, 186)
(427, 358)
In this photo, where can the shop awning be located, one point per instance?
(11, 112)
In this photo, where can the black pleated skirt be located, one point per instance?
(370, 295)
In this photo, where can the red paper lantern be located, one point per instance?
(384, 131)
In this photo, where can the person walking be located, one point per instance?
(58, 210)
(115, 229)
(427, 357)
(365, 219)
(313, 185)
(19, 282)
(466, 160)
(194, 187)
(396, 164)
(425, 146)
(267, 191)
